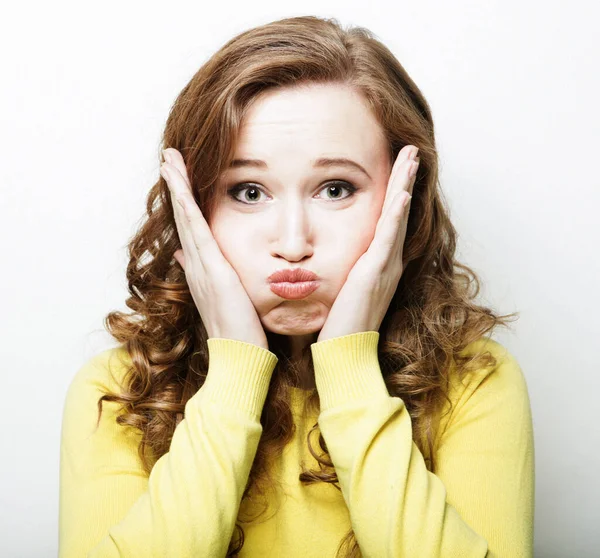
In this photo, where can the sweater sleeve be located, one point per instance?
(188, 505)
(480, 501)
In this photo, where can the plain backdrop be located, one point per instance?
(514, 90)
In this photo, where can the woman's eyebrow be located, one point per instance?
(321, 162)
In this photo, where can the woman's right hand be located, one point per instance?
(224, 305)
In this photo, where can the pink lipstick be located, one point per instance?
(293, 284)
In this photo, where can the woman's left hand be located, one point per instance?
(366, 295)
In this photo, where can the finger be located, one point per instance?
(413, 178)
(394, 220)
(181, 221)
(403, 200)
(393, 229)
(402, 156)
(390, 203)
(175, 159)
(399, 166)
(198, 239)
(405, 196)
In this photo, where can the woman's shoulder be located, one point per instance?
(492, 376)
(489, 361)
(86, 431)
(107, 365)
(104, 370)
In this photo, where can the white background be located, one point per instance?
(514, 90)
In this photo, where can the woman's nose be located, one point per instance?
(294, 234)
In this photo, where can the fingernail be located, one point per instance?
(406, 200)
(166, 155)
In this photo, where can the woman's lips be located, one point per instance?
(294, 291)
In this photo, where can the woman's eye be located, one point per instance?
(338, 187)
(253, 192)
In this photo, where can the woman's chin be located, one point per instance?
(293, 329)
(295, 319)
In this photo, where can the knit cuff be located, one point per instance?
(239, 374)
(347, 368)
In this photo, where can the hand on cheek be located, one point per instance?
(366, 295)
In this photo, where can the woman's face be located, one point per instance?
(292, 213)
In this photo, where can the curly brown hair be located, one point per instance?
(431, 317)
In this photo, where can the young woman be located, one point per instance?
(287, 290)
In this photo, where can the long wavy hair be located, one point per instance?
(430, 320)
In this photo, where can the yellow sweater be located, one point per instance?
(479, 502)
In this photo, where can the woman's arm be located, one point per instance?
(479, 503)
(189, 504)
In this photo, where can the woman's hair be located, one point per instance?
(431, 317)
